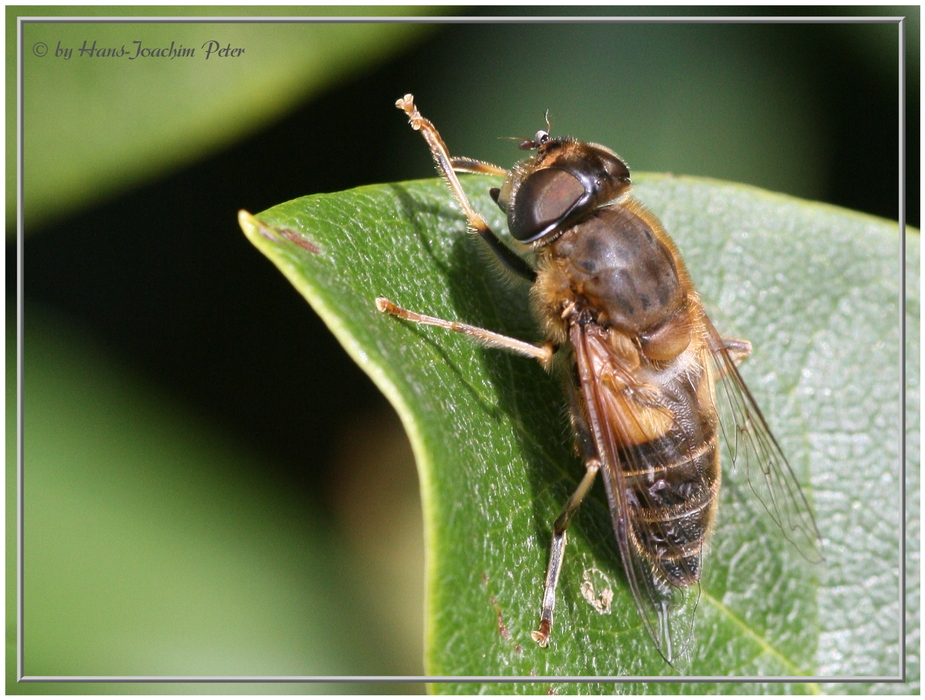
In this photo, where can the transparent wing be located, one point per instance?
(667, 609)
(756, 453)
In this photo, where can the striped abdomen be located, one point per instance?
(672, 481)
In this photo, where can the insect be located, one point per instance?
(646, 374)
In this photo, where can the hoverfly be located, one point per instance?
(646, 374)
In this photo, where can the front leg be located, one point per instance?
(447, 165)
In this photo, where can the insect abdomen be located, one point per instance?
(675, 502)
(664, 429)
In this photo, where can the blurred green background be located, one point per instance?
(212, 487)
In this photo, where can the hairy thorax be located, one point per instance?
(616, 269)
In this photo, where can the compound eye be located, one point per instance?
(540, 138)
(542, 201)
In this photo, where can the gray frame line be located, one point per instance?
(455, 679)
(20, 445)
(20, 661)
(860, 19)
(902, 346)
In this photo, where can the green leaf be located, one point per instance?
(816, 290)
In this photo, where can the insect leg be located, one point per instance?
(478, 167)
(542, 353)
(557, 551)
(446, 165)
(734, 352)
(557, 548)
(739, 350)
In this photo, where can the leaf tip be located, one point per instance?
(252, 226)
